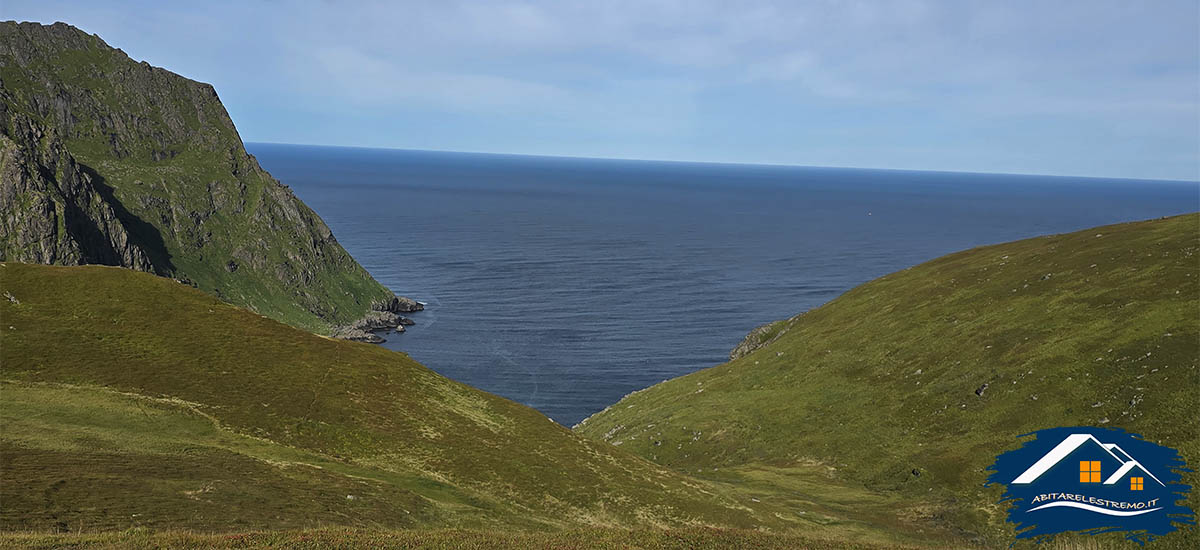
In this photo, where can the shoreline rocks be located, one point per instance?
(379, 320)
(397, 304)
(357, 335)
(383, 316)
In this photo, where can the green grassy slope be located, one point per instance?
(163, 153)
(132, 400)
(878, 387)
(128, 400)
(591, 539)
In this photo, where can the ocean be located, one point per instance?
(566, 283)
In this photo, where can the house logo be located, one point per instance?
(1093, 480)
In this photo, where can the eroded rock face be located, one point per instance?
(111, 161)
(51, 210)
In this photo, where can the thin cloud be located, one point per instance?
(784, 82)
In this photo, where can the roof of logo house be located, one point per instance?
(1068, 446)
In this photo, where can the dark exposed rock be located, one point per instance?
(358, 335)
(372, 322)
(51, 209)
(376, 320)
(397, 304)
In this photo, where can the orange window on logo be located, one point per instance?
(1089, 471)
(1135, 484)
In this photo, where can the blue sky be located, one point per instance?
(1072, 88)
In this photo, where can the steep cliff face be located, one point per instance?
(53, 213)
(111, 161)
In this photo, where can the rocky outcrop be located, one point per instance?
(363, 330)
(108, 160)
(377, 320)
(382, 320)
(51, 209)
(357, 335)
(761, 337)
(397, 304)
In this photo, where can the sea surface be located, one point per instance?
(566, 283)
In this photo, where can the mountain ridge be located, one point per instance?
(111, 161)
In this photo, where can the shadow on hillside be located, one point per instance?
(141, 233)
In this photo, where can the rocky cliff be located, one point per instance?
(53, 212)
(106, 160)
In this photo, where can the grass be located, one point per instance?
(1099, 327)
(106, 460)
(130, 401)
(320, 539)
(88, 349)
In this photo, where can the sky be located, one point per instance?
(1091, 88)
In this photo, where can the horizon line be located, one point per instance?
(728, 163)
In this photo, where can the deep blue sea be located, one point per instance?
(565, 284)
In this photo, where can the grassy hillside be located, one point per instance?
(592, 539)
(111, 161)
(885, 386)
(132, 400)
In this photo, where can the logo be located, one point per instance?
(1093, 480)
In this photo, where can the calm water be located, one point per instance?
(566, 283)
